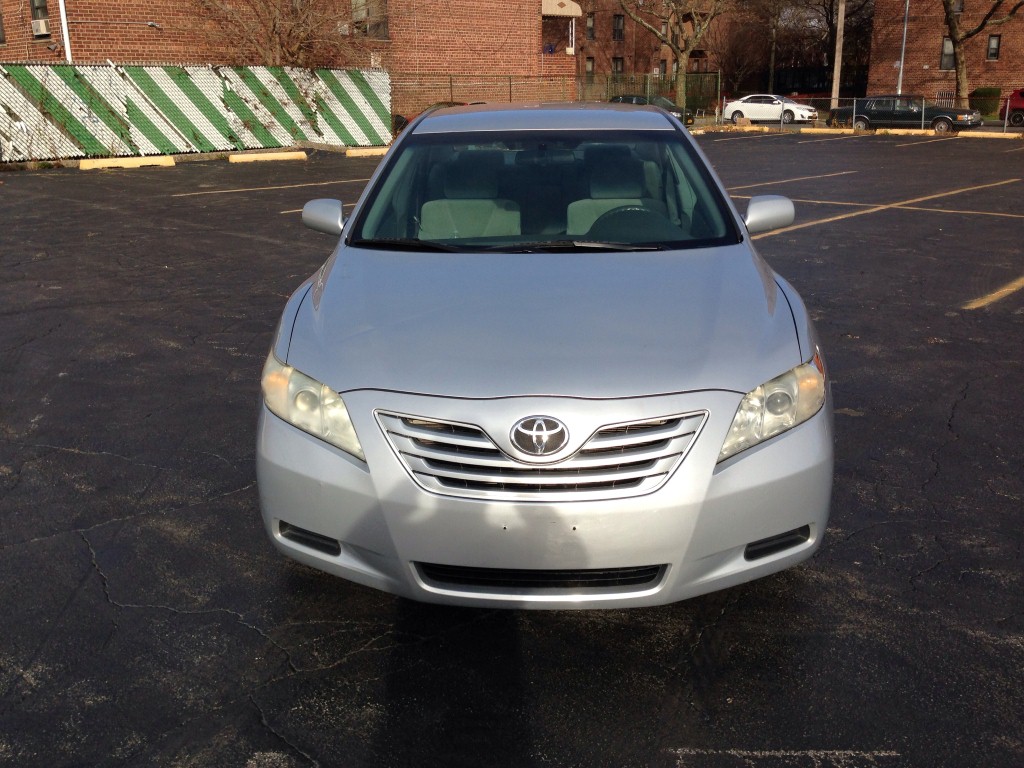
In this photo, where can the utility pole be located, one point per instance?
(837, 60)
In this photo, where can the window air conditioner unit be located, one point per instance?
(40, 27)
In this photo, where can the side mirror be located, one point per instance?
(324, 215)
(766, 212)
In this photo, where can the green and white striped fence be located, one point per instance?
(52, 112)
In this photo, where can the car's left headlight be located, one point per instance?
(776, 406)
(309, 405)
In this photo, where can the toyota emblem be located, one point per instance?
(539, 435)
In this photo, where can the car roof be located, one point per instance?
(577, 116)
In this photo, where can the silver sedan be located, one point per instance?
(545, 367)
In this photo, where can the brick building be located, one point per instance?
(995, 57)
(611, 43)
(434, 50)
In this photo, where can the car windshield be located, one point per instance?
(544, 191)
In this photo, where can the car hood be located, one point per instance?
(595, 325)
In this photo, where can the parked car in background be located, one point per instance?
(1015, 105)
(545, 367)
(658, 101)
(893, 111)
(768, 107)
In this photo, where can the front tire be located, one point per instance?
(1017, 118)
(861, 124)
(787, 116)
(942, 125)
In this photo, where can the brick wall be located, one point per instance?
(490, 36)
(101, 29)
(926, 27)
(491, 39)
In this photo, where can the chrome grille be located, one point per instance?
(617, 461)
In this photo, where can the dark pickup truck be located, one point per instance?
(903, 112)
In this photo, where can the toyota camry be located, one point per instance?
(545, 367)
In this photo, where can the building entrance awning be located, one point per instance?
(560, 8)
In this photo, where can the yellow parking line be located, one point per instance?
(879, 208)
(996, 295)
(787, 181)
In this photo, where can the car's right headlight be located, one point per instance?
(309, 405)
(776, 406)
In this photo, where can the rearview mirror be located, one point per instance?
(766, 212)
(324, 215)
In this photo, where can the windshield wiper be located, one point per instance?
(405, 244)
(556, 246)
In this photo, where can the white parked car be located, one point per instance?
(765, 106)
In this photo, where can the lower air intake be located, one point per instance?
(539, 580)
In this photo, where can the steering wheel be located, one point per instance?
(633, 223)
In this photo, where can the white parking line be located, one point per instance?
(929, 141)
(879, 208)
(753, 136)
(299, 210)
(799, 178)
(264, 189)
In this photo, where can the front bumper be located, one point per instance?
(372, 524)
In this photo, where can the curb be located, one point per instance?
(266, 157)
(990, 135)
(365, 151)
(164, 161)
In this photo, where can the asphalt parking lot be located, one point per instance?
(146, 620)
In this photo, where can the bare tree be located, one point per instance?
(857, 32)
(739, 49)
(685, 23)
(996, 12)
(300, 33)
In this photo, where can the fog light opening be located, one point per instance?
(771, 546)
(316, 541)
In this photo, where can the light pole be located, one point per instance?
(903, 49)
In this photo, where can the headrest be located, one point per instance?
(473, 176)
(617, 182)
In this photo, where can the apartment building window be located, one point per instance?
(39, 10)
(618, 65)
(590, 26)
(994, 43)
(2, 38)
(663, 68)
(370, 18)
(946, 61)
(958, 6)
(618, 27)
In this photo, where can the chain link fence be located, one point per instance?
(412, 93)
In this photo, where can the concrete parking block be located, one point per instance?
(91, 164)
(262, 157)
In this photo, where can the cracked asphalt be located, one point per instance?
(146, 621)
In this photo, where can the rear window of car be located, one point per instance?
(528, 188)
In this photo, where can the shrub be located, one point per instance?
(985, 100)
